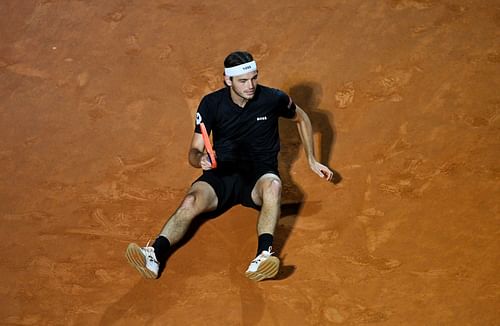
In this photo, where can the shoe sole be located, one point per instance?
(136, 259)
(267, 269)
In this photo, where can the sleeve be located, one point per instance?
(202, 115)
(286, 106)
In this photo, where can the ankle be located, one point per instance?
(265, 243)
(161, 247)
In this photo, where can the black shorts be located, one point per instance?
(233, 182)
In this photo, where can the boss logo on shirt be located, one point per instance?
(261, 118)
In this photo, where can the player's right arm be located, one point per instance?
(197, 156)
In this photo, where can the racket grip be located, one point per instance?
(213, 163)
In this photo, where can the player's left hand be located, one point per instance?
(322, 170)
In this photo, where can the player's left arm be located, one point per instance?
(306, 135)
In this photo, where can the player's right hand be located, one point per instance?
(205, 162)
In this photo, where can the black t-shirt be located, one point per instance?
(249, 133)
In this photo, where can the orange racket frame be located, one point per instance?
(208, 145)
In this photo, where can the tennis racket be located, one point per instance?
(206, 140)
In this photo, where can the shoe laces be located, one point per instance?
(149, 251)
(263, 255)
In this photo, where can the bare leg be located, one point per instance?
(200, 198)
(148, 260)
(267, 193)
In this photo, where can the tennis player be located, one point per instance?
(242, 118)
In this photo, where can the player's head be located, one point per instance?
(240, 74)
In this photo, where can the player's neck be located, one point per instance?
(238, 100)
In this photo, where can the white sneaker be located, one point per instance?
(263, 266)
(143, 259)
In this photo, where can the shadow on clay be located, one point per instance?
(129, 307)
(307, 96)
(135, 307)
(195, 225)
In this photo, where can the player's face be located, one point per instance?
(244, 85)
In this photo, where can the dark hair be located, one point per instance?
(237, 58)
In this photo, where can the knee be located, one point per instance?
(196, 202)
(189, 201)
(273, 189)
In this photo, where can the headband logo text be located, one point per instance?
(240, 69)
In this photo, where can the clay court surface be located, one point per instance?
(97, 104)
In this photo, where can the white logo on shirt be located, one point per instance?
(261, 118)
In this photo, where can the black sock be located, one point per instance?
(161, 245)
(265, 241)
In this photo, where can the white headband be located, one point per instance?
(241, 69)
